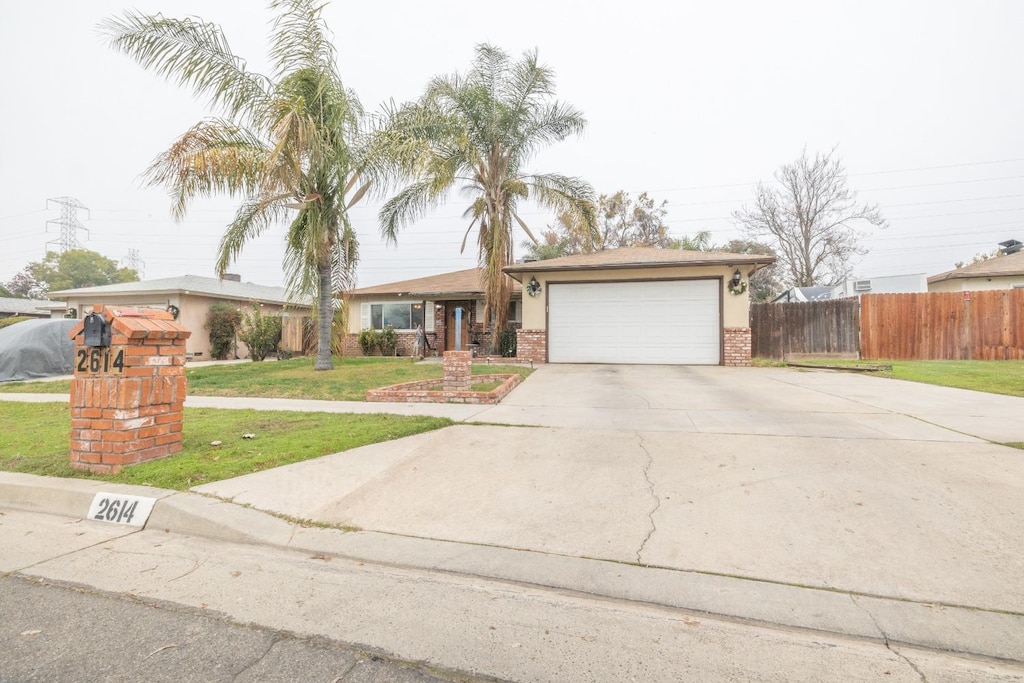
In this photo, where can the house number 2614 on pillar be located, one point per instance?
(96, 360)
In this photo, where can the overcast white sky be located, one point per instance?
(693, 102)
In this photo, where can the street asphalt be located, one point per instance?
(865, 513)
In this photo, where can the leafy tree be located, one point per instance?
(480, 130)
(25, 285)
(287, 144)
(810, 219)
(621, 222)
(765, 283)
(260, 333)
(4, 292)
(700, 241)
(68, 270)
(223, 322)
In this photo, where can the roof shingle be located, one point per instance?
(641, 257)
(467, 282)
(998, 266)
(194, 284)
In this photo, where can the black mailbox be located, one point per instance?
(97, 330)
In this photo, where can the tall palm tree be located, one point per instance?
(479, 130)
(286, 144)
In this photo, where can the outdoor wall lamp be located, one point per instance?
(533, 287)
(736, 284)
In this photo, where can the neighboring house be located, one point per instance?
(28, 308)
(888, 284)
(998, 272)
(430, 303)
(638, 305)
(189, 297)
(803, 295)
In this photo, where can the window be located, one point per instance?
(515, 311)
(399, 316)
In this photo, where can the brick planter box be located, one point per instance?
(420, 392)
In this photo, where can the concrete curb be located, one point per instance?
(956, 629)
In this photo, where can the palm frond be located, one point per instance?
(190, 52)
(301, 39)
(566, 195)
(212, 157)
(406, 207)
(250, 221)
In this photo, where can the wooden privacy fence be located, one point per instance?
(295, 337)
(790, 330)
(981, 325)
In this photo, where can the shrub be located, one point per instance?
(13, 320)
(369, 340)
(388, 341)
(261, 333)
(223, 322)
(507, 342)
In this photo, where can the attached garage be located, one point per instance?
(637, 305)
(653, 322)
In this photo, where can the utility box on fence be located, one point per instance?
(128, 391)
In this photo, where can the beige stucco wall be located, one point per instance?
(735, 307)
(194, 309)
(976, 284)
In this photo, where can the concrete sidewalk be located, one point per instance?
(243, 542)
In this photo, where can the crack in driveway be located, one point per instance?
(885, 639)
(650, 488)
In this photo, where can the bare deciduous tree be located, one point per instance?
(811, 220)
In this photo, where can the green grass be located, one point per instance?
(992, 376)
(35, 440)
(350, 379)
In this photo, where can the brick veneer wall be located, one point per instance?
(737, 346)
(125, 416)
(406, 344)
(532, 345)
(458, 370)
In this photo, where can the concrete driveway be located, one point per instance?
(806, 478)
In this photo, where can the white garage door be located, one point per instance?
(661, 322)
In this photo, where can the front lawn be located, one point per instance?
(992, 376)
(350, 379)
(36, 440)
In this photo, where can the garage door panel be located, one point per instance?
(669, 321)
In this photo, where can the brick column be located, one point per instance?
(532, 345)
(127, 398)
(737, 346)
(458, 370)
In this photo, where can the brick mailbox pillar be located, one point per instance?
(458, 370)
(129, 388)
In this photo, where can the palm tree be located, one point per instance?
(479, 130)
(286, 144)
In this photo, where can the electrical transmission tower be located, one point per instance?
(68, 222)
(134, 261)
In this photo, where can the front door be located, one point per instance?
(449, 324)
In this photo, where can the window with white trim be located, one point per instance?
(398, 315)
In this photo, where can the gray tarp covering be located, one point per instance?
(36, 348)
